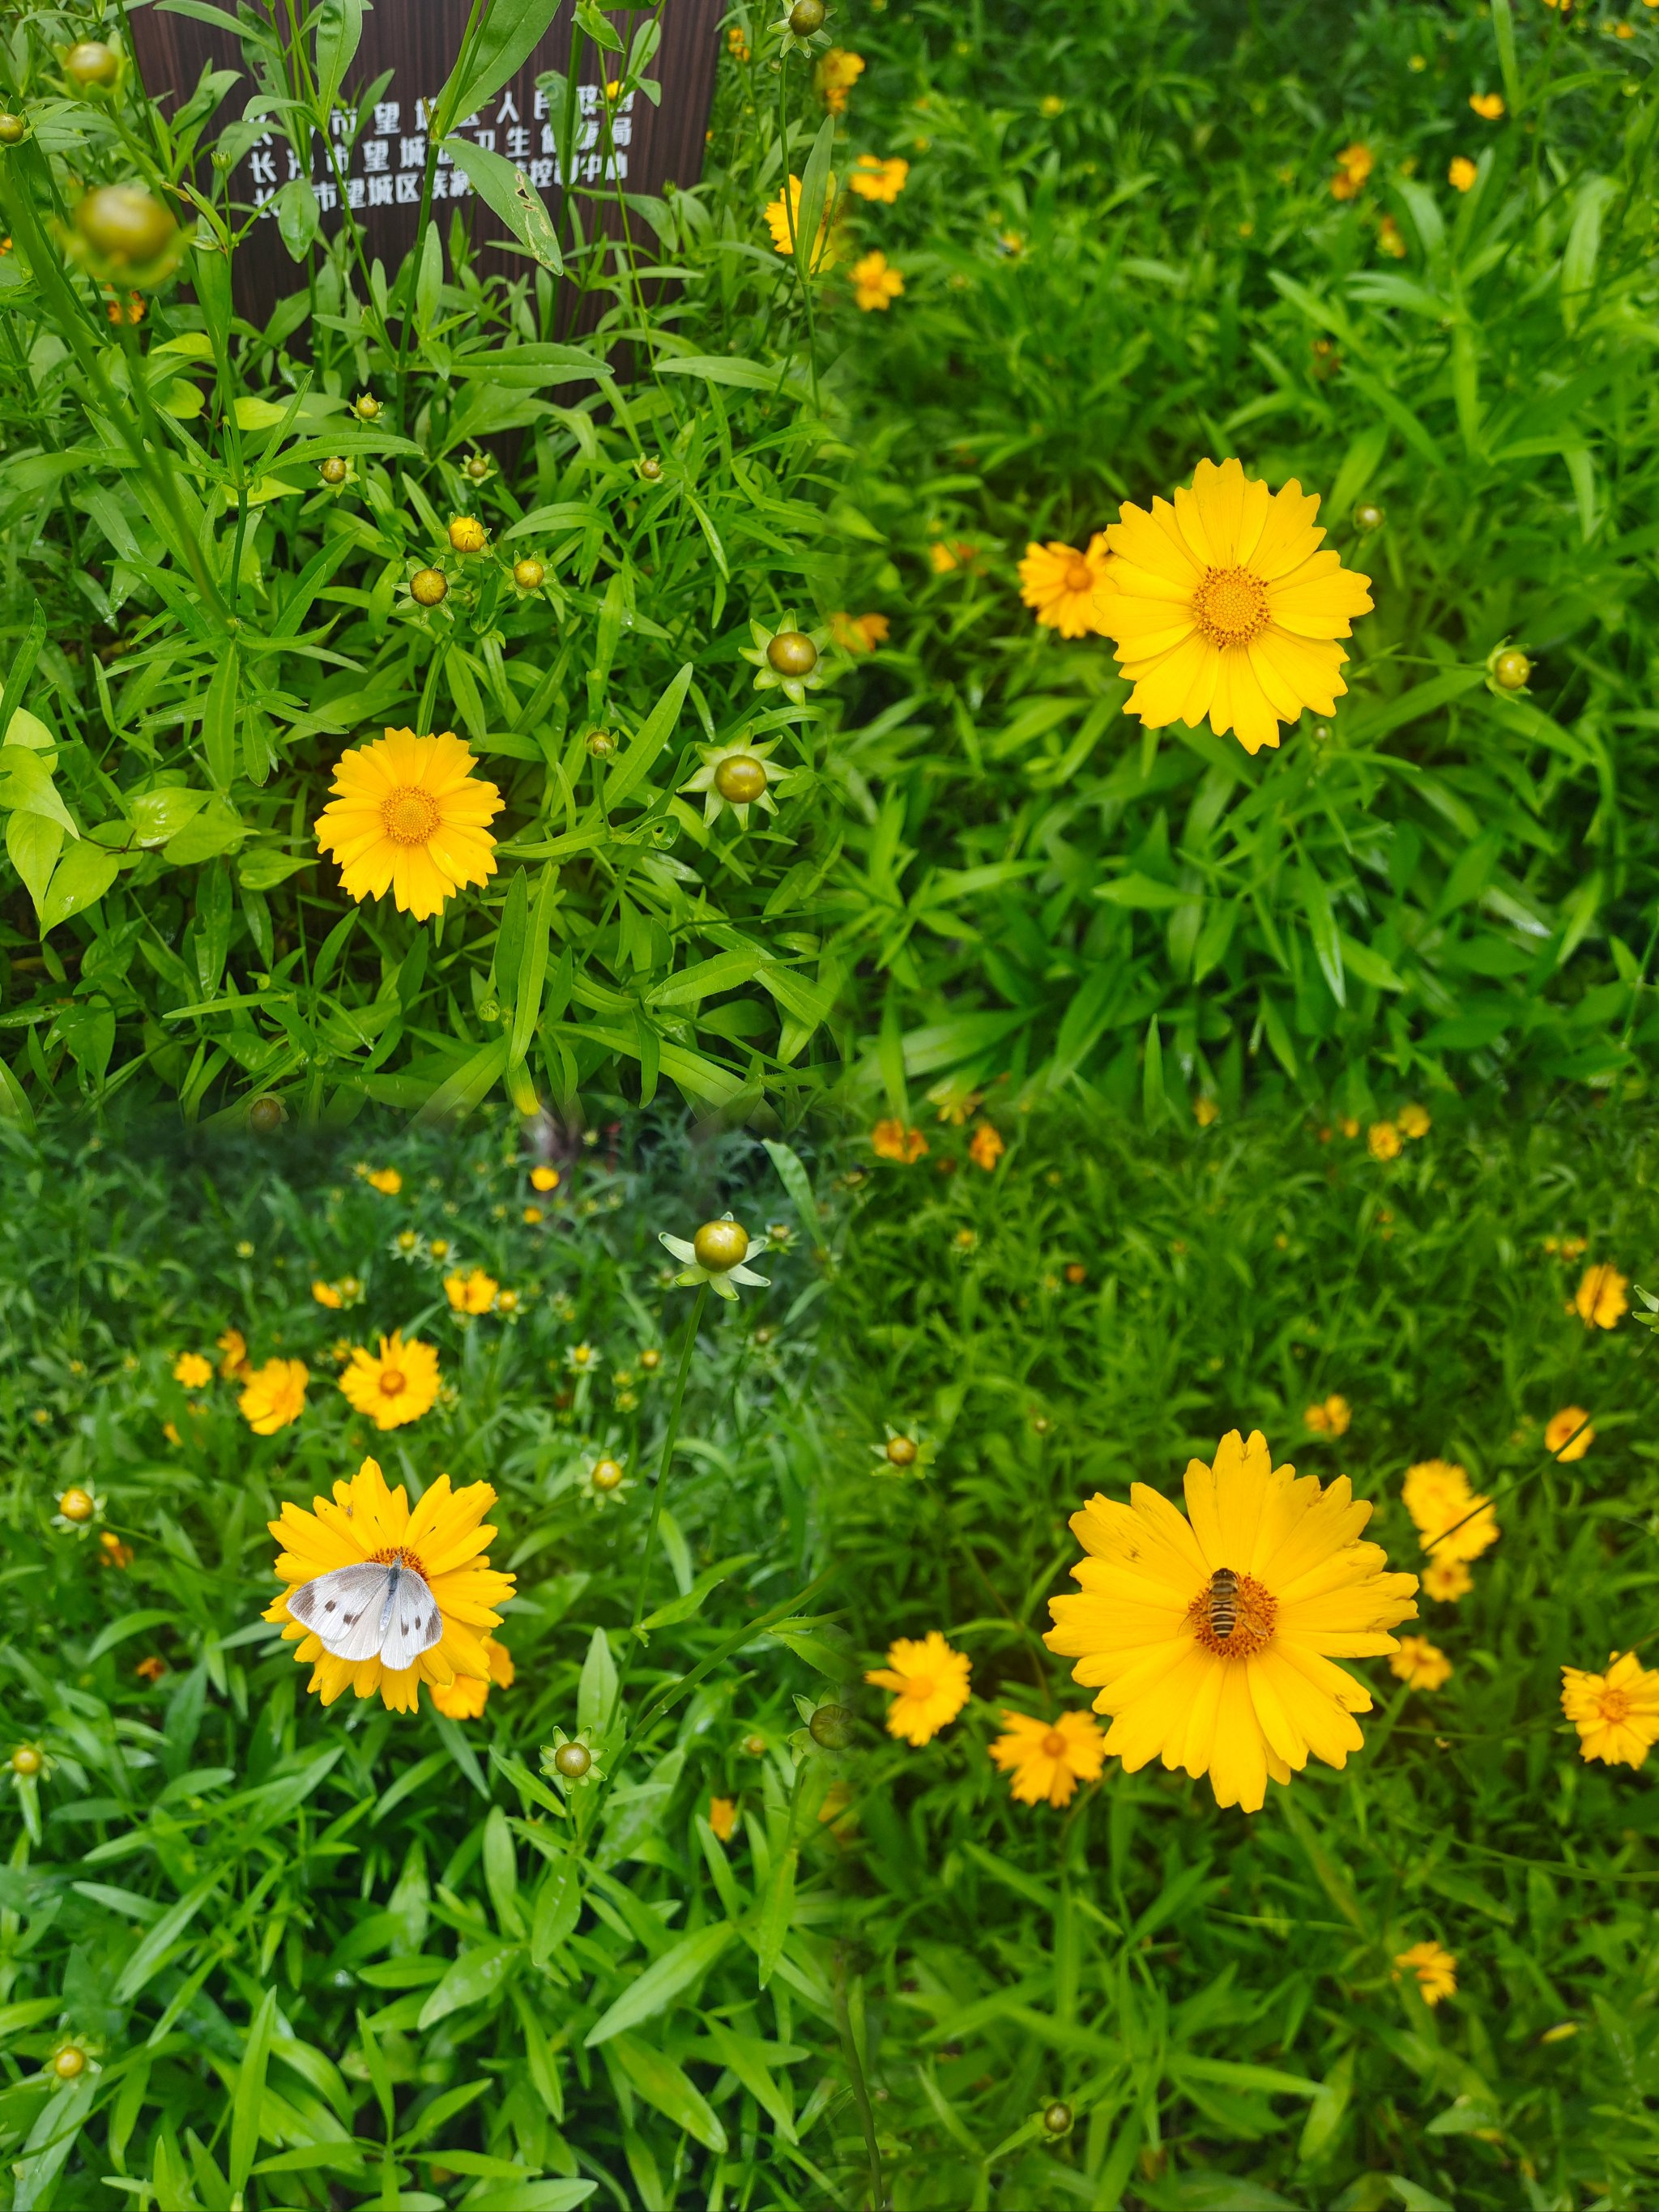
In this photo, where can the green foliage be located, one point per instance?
(1213, 1993)
(1121, 255)
(350, 1956)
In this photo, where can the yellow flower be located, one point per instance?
(1383, 1141)
(276, 1396)
(1454, 1522)
(1051, 105)
(170, 1431)
(986, 1147)
(1446, 1580)
(442, 1541)
(1489, 105)
(1211, 1639)
(386, 1181)
(532, 1215)
(1568, 1434)
(874, 283)
(1205, 1112)
(399, 1387)
(473, 1293)
(326, 1295)
(1225, 607)
(1462, 173)
(1048, 1758)
(942, 558)
(234, 1365)
(891, 1141)
(784, 225)
(837, 73)
(543, 1178)
(1600, 1297)
(1436, 1971)
(930, 1682)
(1064, 589)
(1390, 238)
(410, 818)
(466, 1697)
(193, 1371)
(723, 1817)
(1616, 1714)
(873, 178)
(1412, 1122)
(860, 634)
(1357, 160)
(1332, 1419)
(1420, 1664)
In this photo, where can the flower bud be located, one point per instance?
(1511, 670)
(720, 1246)
(267, 1115)
(650, 468)
(527, 575)
(606, 1474)
(366, 407)
(902, 1451)
(428, 588)
(572, 1760)
(1056, 2118)
(332, 471)
(466, 534)
(805, 17)
(12, 129)
(831, 1728)
(740, 780)
(77, 1504)
(26, 1760)
(1368, 515)
(125, 223)
(92, 65)
(792, 653)
(755, 1746)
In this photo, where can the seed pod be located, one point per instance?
(476, 468)
(831, 1728)
(428, 588)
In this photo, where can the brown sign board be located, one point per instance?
(378, 171)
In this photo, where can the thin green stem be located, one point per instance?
(660, 1486)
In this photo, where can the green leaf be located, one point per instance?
(22, 667)
(777, 1911)
(795, 1181)
(78, 882)
(667, 2086)
(509, 193)
(558, 1908)
(1321, 927)
(656, 1989)
(722, 368)
(596, 1694)
(27, 787)
(631, 767)
(1502, 31)
(1152, 1077)
(219, 719)
(250, 2091)
(476, 1975)
(512, 30)
(147, 1961)
(33, 846)
(814, 196)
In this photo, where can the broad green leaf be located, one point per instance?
(79, 881)
(476, 1975)
(665, 1979)
(631, 767)
(507, 192)
(667, 2086)
(32, 845)
(596, 1694)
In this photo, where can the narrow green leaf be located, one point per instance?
(250, 2093)
(656, 1989)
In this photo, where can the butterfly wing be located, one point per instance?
(343, 1608)
(415, 1624)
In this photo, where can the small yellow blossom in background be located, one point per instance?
(1253, 1699)
(1436, 1971)
(1226, 608)
(1420, 1664)
(875, 283)
(386, 1181)
(150, 1669)
(736, 45)
(193, 1371)
(1353, 165)
(410, 818)
(466, 1696)
(1568, 1434)
(723, 1817)
(942, 558)
(1205, 1112)
(1051, 105)
(1454, 1522)
(1446, 1580)
(873, 178)
(1462, 173)
(930, 1685)
(784, 225)
(532, 1215)
(234, 1364)
(441, 1539)
(1383, 1141)
(1065, 589)
(891, 1141)
(472, 1293)
(1412, 1122)
(1616, 1714)
(860, 634)
(1600, 1298)
(838, 71)
(1488, 105)
(543, 1178)
(1390, 238)
(986, 1147)
(326, 1295)
(171, 1433)
(275, 1396)
(112, 1553)
(398, 1386)
(1332, 1419)
(1047, 1760)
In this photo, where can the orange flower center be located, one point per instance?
(399, 1555)
(1079, 576)
(409, 816)
(1231, 606)
(1054, 1745)
(392, 1382)
(920, 1686)
(1613, 1705)
(1233, 1623)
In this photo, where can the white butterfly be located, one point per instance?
(370, 1612)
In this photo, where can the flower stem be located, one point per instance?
(659, 1485)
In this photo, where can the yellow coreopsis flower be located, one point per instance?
(1420, 1664)
(1047, 1760)
(860, 634)
(1489, 105)
(275, 1396)
(386, 1181)
(1212, 1637)
(441, 1540)
(838, 71)
(1066, 590)
(1462, 173)
(1453, 1521)
(1227, 610)
(930, 1685)
(873, 179)
(1383, 1141)
(1412, 1122)
(1446, 1580)
(1390, 238)
(784, 223)
(466, 1696)
(471, 1293)
(1436, 1971)
(1600, 1297)
(326, 1295)
(986, 1147)
(193, 1371)
(1331, 1419)
(1568, 1434)
(543, 1178)
(410, 816)
(891, 1141)
(233, 1345)
(723, 1817)
(398, 1386)
(1353, 165)
(876, 283)
(1616, 1714)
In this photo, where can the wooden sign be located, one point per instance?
(377, 173)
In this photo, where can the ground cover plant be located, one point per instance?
(1401, 255)
(1424, 1980)
(560, 1936)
